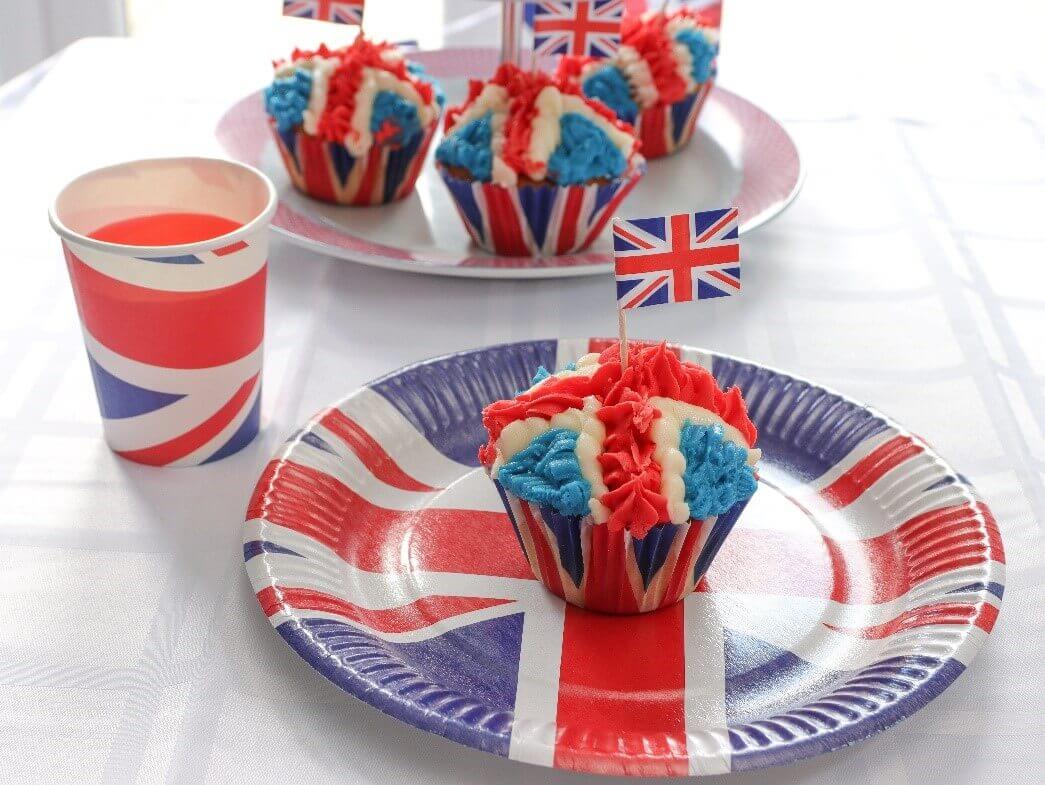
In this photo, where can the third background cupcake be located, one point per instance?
(658, 80)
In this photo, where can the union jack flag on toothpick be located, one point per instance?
(577, 27)
(676, 258)
(344, 12)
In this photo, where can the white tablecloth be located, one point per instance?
(908, 274)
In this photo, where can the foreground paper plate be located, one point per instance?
(859, 583)
(739, 155)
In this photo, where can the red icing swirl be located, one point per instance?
(523, 87)
(335, 124)
(631, 474)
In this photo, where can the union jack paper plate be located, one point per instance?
(859, 583)
(739, 155)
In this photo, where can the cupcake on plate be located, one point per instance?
(533, 166)
(353, 125)
(659, 78)
(622, 486)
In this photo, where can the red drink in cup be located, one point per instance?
(168, 259)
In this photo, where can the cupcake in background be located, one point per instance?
(353, 125)
(622, 486)
(534, 167)
(658, 80)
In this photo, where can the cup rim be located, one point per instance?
(262, 218)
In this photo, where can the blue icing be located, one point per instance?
(703, 52)
(469, 148)
(394, 111)
(287, 98)
(543, 373)
(548, 473)
(717, 475)
(584, 153)
(418, 70)
(611, 87)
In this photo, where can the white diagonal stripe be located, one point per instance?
(414, 454)
(707, 739)
(537, 693)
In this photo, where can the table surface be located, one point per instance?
(908, 275)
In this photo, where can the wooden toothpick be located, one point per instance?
(622, 330)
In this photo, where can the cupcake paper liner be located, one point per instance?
(613, 572)
(532, 220)
(665, 128)
(329, 172)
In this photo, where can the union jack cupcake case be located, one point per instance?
(535, 168)
(353, 125)
(622, 483)
(859, 583)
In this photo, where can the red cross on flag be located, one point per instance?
(676, 258)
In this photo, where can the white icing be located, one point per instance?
(667, 434)
(684, 64)
(322, 68)
(679, 23)
(551, 105)
(683, 57)
(285, 69)
(492, 99)
(637, 71)
(500, 172)
(544, 133)
(591, 433)
(587, 369)
(375, 80)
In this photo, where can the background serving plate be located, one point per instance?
(739, 155)
(859, 583)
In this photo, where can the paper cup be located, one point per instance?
(329, 172)
(538, 219)
(589, 566)
(173, 332)
(665, 128)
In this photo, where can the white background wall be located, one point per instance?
(31, 30)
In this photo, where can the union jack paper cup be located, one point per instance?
(173, 331)
(538, 219)
(665, 128)
(329, 172)
(613, 572)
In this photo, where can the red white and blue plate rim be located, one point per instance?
(860, 582)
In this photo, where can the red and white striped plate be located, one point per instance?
(739, 155)
(858, 584)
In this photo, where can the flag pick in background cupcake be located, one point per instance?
(342, 12)
(589, 28)
(674, 259)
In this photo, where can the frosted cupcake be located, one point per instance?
(622, 486)
(658, 80)
(353, 125)
(533, 166)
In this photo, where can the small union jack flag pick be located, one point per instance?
(676, 258)
(343, 12)
(577, 27)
